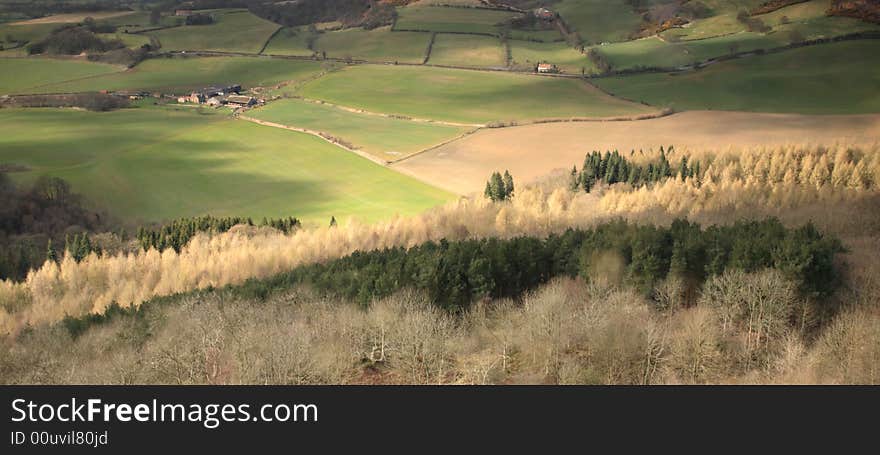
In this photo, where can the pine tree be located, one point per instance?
(496, 187)
(508, 185)
(85, 246)
(573, 180)
(51, 254)
(332, 221)
(587, 182)
(634, 172)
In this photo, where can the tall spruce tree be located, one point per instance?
(508, 185)
(573, 180)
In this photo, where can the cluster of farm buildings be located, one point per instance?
(216, 96)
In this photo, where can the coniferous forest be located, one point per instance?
(455, 274)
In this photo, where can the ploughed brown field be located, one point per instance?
(534, 151)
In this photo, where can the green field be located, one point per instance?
(130, 39)
(30, 33)
(182, 74)
(529, 54)
(467, 50)
(546, 36)
(233, 31)
(598, 21)
(153, 164)
(290, 41)
(656, 53)
(380, 44)
(140, 20)
(456, 20)
(647, 52)
(808, 19)
(386, 138)
(839, 78)
(33, 75)
(464, 96)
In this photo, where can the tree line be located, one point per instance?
(73, 40)
(48, 220)
(178, 233)
(612, 167)
(456, 273)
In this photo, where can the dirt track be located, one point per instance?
(533, 151)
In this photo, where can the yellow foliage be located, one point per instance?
(816, 181)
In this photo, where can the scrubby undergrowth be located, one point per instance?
(742, 328)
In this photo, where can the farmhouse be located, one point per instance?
(547, 68)
(240, 101)
(545, 14)
(203, 95)
(197, 97)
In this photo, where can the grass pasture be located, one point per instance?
(28, 33)
(807, 19)
(155, 164)
(386, 138)
(131, 40)
(529, 54)
(33, 75)
(140, 20)
(598, 21)
(380, 44)
(289, 41)
(463, 95)
(181, 74)
(467, 50)
(233, 31)
(837, 78)
(451, 20)
(544, 36)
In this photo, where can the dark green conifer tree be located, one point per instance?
(51, 254)
(573, 180)
(508, 185)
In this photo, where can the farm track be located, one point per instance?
(319, 134)
(355, 110)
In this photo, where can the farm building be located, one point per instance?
(183, 12)
(545, 14)
(197, 97)
(203, 95)
(130, 94)
(547, 68)
(214, 101)
(240, 101)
